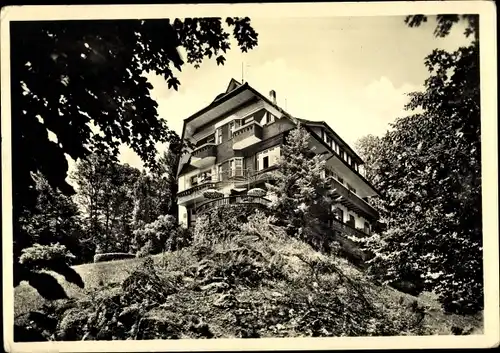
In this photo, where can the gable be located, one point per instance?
(233, 84)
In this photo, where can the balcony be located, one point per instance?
(195, 193)
(346, 229)
(251, 201)
(353, 201)
(247, 135)
(204, 155)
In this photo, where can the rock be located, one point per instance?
(199, 327)
(226, 301)
(159, 325)
(129, 315)
(216, 286)
(72, 325)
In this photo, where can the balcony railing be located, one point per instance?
(346, 229)
(247, 135)
(256, 201)
(353, 201)
(197, 189)
(204, 155)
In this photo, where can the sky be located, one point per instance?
(351, 72)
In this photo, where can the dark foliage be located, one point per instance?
(428, 168)
(69, 77)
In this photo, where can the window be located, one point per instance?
(231, 129)
(265, 162)
(194, 180)
(270, 118)
(205, 176)
(367, 228)
(247, 120)
(219, 173)
(342, 153)
(236, 167)
(351, 220)
(268, 158)
(267, 119)
(339, 214)
(218, 136)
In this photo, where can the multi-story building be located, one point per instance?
(238, 139)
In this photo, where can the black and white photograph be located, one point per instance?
(249, 176)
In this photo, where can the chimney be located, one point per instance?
(272, 96)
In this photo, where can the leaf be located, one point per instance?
(173, 82)
(47, 286)
(220, 60)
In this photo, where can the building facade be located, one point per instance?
(237, 143)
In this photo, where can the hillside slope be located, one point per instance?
(258, 283)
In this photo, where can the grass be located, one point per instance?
(94, 275)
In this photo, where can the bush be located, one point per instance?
(161, 235)
(221, 223)
(146, 250)
(37, 256)
(113, 256)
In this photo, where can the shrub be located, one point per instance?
(113, 256)
(160, 235)
(144, 285)
(37, 256)
(221, 223)
(146, 250)
(179, 239)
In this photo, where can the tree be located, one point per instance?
(67, 76)
(166, 173)
(105, 192)
(370, 147)
(430, 180)
(51, 233)
(302, 189)
(147, 200)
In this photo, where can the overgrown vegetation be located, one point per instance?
(256, 282)
(428, 169)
